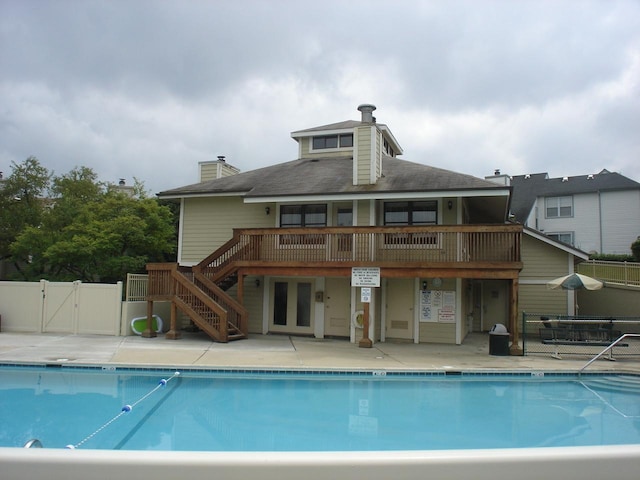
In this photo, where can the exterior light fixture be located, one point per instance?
(267, 210)
(424, 285)
(257, 283)
(450, 204)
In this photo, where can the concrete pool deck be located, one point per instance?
(196, 350)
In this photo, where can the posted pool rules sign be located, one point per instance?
(365, 276)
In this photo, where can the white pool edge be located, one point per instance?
(618, 462)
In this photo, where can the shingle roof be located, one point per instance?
(526, 188)
(333, 176)
(332, 126)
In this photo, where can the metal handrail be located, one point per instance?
(626, 335)
(33, 443)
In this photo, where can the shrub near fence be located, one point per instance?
(558, 335)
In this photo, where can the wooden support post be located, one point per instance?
(173, 333)
(149, 332)
(365, 342)
(514, 322)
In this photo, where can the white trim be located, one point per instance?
(385, 129)
(543, 238)
(180, 231)
(459, 318)
(201, 195)
(266, 297)
(416, 309)
(383, 309)
(354, 160)
(377, 196)
(321, 133)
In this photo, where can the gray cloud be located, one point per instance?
(150, 88)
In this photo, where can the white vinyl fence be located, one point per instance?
(61, 307)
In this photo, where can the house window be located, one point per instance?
(344, 140)
(388, 149)
(564, 237)
(558, 207)
(303, 216)
(411, 213)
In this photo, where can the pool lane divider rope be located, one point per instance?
(125, 409)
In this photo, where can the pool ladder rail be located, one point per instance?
(33, 443)
(608, 349)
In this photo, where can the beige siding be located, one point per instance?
(542, 261)
(253, 302)
(362, 217)
(363, 139)
(433, 332)
(378, 155)
(209, 222)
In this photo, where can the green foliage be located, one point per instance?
(94, 232)
(635, 249)
(22, 203)
(612, 257)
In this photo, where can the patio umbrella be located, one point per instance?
(575, 281)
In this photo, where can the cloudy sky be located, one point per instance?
(148, 89)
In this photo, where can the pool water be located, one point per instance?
(218, 411)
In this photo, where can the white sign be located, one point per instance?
(365, 294)
(365, 276)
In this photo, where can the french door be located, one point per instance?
(292, 306)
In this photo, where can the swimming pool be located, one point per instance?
(409, 419)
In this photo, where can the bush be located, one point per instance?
(635, 249)
(611, 257)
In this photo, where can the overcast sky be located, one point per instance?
(148, 89)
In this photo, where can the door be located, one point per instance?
(292, 306)
(337, 305)
(399, 308)
(495, 303)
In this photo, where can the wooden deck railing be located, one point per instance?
(368, 245)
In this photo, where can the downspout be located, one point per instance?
(600, 221)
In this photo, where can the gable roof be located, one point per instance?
(333, 176)
(526, 188)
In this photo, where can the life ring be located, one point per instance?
(357, 319)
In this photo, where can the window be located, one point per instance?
(557, 207)
(411, 213)
(303, 216)
(344, 140)
(387, 148)
(564, 237)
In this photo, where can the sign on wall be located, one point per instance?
(438, 306)
(365, 276)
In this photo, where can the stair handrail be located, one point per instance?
(216, 308)
(613, 344)
(232, 306)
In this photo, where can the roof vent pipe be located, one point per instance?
(367, 112)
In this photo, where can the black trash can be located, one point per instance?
(498, 340)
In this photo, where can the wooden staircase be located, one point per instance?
(200, 293)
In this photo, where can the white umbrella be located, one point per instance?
(575, 281)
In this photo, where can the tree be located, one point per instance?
(22, 201)
(635, 250)
(93, 232)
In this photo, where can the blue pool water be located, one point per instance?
(218, 411)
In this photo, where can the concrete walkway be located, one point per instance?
(196, 350)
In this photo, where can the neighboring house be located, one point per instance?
(597, 213)
(272, 250)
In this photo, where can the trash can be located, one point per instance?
(498, 340)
